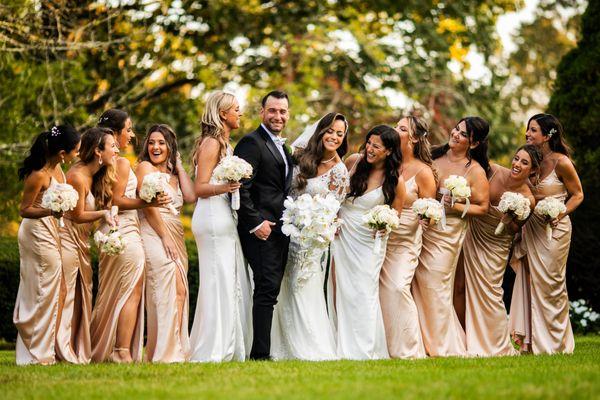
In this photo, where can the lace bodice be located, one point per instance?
(335, 181)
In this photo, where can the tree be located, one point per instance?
(575, 102)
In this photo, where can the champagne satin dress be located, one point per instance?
(36, 307)
(540, 304)
(400, 316)
(73, 343)
(118, 276)
(167, 337)
(485, 256)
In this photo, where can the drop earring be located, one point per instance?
(99, 161)
(62, 160)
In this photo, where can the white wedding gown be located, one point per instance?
(301, 328)
(222, 328)
(360, 329)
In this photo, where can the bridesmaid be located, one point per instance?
(541, 316)
(485, 256)
(166, 256)
(375, 179)
(222, 323)
(117, 325)
(91, 177)
(37, 305)
(400, 316)
(465, 155)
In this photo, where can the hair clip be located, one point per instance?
(552, 132)
(102, 119)
(54, 131)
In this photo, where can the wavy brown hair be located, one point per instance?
(103, 180)
(309, 158)
(551, 126)
(171, 141)
(419, 129)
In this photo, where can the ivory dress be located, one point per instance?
(301, 328)
(485, 256)
(540, 304)
(118, 276)
(73, 342)
(400, 315)
(167, 340)
(360, 329)
(222, 328)
(36, 306)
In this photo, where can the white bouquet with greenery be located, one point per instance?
(514, 204)
(154, 184)
(427, 208)
(60, 197)
(381, 218)
(550, 208)
(233, 169)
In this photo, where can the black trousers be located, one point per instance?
(267, 258)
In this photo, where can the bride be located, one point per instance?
(301, 327)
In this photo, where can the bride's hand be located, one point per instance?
(231, 187)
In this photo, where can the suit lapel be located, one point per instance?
(272, 148)
(288, 178)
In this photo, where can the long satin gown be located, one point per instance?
(540, 304)
(360, 329)
(400, 315)
(433, 287)
(73, 343)
(222, 327)
(118, 276)
(167, 338)
(301, 328)
(485, 256)
(36, 306)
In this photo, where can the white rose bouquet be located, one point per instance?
(427, 208)
(153, 185)
(233, 169)
(550, 208)
(60, 197)
(112, 243)
(458, 188)
(381, 217)
(514, 204)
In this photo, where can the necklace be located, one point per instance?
(330, 160)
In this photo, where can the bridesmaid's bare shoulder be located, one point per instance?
(351, 160)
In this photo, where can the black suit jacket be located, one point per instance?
(262, 196)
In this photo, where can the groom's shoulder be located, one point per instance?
(253, 136)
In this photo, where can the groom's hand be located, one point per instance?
(264, 231)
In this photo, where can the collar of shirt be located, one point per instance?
(274, 137)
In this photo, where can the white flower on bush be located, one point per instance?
(583, 318)
(154, 184)
(381, 217)
(427, 208)
(550, 208)
(112, 243)
(514, 204)
(60, 197)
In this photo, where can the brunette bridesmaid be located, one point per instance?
(166, 256)
(37, 306)
(90, 177)
(540, 321)
(465, 155)
(485, 256)
(117, 325)
(400, 316)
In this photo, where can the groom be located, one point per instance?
(261, 208)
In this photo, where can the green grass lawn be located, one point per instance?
(539, 377)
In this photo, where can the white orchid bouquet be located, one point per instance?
(233, 169)
(458, 188)
(154, 184)
(111, 243)
(60, 197)
(380, 218)
(428, 208)
(514, 204)
(550, 208)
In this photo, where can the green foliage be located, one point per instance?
(575, 103)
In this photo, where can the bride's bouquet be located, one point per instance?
(153, 185)
(381, 217)
(233, 169)
(60, 197)
(427, 208)
(458, 188)
(514, 204)
(550, 208)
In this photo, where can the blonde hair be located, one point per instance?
(211, 123)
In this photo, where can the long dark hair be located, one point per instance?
(478, 130)
(48, 144)
(114, 120)
(308, 159)
(106, 176)
(551, 126)
(170, 140)
(358, 181)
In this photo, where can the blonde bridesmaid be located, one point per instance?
(539, 316)
(465, 155)
(37, 305)
(117, 325)
(400, 316)
(485, 256)
(97, 156)
(166, 256)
